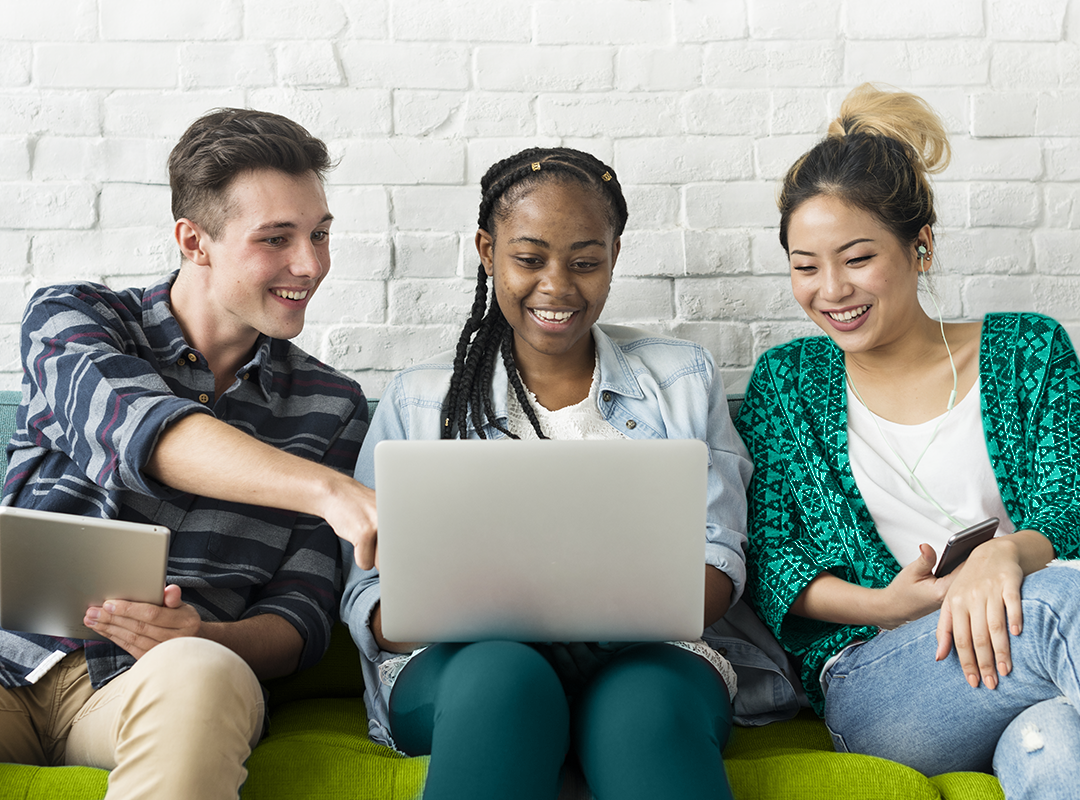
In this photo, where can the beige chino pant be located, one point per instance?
(179, 724)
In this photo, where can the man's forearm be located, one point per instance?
(269, 644)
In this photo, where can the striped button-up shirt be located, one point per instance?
(104, 373)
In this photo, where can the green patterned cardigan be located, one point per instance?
(806, 515)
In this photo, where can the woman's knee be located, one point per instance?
(497, 674)
(1036, 756)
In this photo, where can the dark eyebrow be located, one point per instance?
(839, 249)
(279, 226)
(542, 243)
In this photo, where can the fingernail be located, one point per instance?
(973, 680)
(93, 613)
(990, 681)
(109, 607)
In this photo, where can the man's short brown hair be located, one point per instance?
(227, 142)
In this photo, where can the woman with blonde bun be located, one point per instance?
(875, 443)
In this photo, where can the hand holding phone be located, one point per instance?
(961, 544)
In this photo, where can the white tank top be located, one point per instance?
(955, 470)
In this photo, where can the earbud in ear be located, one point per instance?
(922, 251)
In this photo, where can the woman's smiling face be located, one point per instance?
(551, 258)
(851, 275)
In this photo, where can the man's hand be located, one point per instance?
(139, 627)
(349, 508)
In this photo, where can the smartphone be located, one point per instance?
(961, 544)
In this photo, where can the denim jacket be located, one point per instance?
(651, 387)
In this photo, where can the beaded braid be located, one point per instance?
(487, 336)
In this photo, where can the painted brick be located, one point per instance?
(952, 202)
(1022, 66)
(621, 22)
(431, 302)
(1062, 160)
(498, 114)
(707, 20)
(736, 204)
(914, 19)
(368, 19)
(168, 115)
(40, 206)
(401, 161)
(14, 159)
(799, 111)
(435, 208)
(768, 335)
(1003, 114)
(735, 299)
(946, 289)
(774, 156)
(767, 257)
(1057, 253)
(308, 64)
(284, 19)
(735, 379)
(15, 246)
(429, 113)
(1058, 113)
(1062, 205)
(727, 113)
(11, 312)
(764, 64)
(682, 159)
(649, 254)
(364, 209)
(484, 153)
(462, 20)
(953, 106)
(133, 20)
(362, 347)
(782, 19)
(658, 69)
(977, 251)
(51, 21)
(341, 300)
(136, 205)
(651, 206)
(330, 113)
(357, 257)
(50, 112)
(1057, 297)
(608, 115)
(716, 252)
(1017, 205)
(212, 65)
(60, 255)
(1034, 20)
(995, 159)
(918, 63)
(123, 160)
(426, 255)
(406, 66)
(730, 343)
(115, 65)
(544, 69)
(637, 300)
(15, 60)
(601, 147)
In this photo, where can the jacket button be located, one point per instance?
(631, 424)
(606, 396)
(204, 398)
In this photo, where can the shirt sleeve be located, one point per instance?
(304, 589)
(91, 391)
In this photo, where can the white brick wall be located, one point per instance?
(701, 105)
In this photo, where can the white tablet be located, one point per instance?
(55, 566)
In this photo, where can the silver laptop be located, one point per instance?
(55, 566)
(542, 540)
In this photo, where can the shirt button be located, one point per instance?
(631, 424)
(204, 398)
(192, 357)
(247, 375)
(180, 361)
(607, 397)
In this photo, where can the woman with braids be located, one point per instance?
(872, 445)
(499, 718)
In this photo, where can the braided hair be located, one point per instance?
(487, 335)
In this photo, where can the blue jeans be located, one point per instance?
(889, 698)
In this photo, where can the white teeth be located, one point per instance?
(290, 295)
(553, 316)
(847, 316)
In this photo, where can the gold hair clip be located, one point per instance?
(536, 166)
(606, 177)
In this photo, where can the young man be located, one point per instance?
(185, 405)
